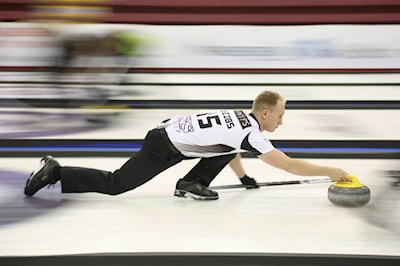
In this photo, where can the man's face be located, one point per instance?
(273, 118)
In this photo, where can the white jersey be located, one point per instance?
(217, 133)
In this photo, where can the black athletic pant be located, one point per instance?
(208, 168)
(156, 155)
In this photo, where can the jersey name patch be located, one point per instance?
(243, 120)
(228, 120)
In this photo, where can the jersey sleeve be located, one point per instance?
(256, 144)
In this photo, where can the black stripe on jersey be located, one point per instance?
(217, 148)
(247, 146)
(243, 120)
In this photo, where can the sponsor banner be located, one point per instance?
(277, 47)
(219, 47)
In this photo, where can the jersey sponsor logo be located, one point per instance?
(243, 120)
(185, 124)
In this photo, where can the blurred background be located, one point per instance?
(87, 67)
(89, 78)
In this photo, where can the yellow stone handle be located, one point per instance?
(353, 184)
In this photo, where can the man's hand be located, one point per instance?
(339, 175)
(249, 182)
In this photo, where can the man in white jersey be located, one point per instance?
(216, 138)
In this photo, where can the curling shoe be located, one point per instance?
(187, 189)
(43, 176)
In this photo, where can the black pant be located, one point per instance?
(156, 155)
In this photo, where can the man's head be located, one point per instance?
(269, 108)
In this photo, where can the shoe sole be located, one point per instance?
(28, 182)
(34, 173)
(185, 194)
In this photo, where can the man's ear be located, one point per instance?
(265, 113)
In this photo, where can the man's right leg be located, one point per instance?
(136, 171)
(154, 157)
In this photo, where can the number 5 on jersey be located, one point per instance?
(207, 120)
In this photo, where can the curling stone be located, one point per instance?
(349, 194)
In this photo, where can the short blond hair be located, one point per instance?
(266, 100)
